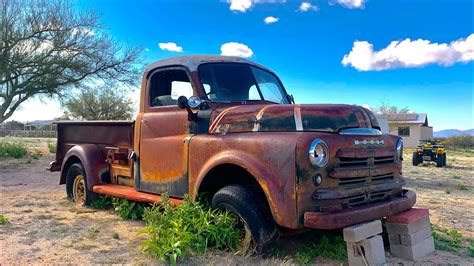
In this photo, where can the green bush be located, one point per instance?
(459, 142)
(14, 150)
(174, 232)
(51, 147)
(128, 210)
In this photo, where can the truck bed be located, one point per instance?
(102, 133)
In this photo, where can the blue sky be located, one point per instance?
(307, 44)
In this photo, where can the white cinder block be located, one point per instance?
(362, 231)
(366, 252)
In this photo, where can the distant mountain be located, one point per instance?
(453, 132)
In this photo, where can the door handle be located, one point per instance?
(144, 121)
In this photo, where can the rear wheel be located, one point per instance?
(444, 159)
(253, 216)
(416, 159)
(76, 186)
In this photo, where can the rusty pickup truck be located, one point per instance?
(225, 129)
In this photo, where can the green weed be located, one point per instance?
(128, 210)
(462, 187)
(35, 156)
(104, 202)
(14, 150)
(115, 235)
(175, 232)
(456, 177)
(447, 191)
(92, 232)
(446, 239)
(4, 220)
(28, 161)
(328, 246)
(51, 147)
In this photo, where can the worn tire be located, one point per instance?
(415, 159)
(74, 184)
(439, 160)
(444, 159)
(251, 208)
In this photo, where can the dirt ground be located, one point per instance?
(46, 228)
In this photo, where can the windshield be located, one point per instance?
(240, 82)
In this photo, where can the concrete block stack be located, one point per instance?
(409, 234)
(364, 244)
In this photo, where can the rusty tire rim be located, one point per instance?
(245, 245)
(79, 190)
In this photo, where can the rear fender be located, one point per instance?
(92, 158)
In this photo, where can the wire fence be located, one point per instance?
(28, 133)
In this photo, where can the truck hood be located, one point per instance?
(287, 118)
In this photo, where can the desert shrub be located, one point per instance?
(460, 142)
(129, 210)
(174, 232)
(14, 150)
(51, 147)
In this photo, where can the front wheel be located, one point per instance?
(76, 186)
(253, 215)
(416, 159)
(440, 160)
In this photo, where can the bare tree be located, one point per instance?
(386, 108)
(99, 103)
(47, 48)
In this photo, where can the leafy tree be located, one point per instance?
(47, 48)
(99, 103)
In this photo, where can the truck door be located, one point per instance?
(164, 129)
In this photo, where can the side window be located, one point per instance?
(404, 131)
(253, 93)
(166, 86)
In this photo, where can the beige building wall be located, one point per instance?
(415, 134)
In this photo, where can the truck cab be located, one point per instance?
(224, 128)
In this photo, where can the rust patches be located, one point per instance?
(258, 117)
(130, 194)
(215, 124)
(340, 219)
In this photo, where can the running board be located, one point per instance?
(130, 193)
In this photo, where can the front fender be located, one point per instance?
(92, 158)
(278, 201)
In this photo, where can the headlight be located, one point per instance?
(318, 153)
(400, 149)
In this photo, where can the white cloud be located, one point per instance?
(240, 5)
(408, 54)
(244, 5)
(170, 46)
(307, 6)
(236, 49)
(147, 50)
(351, 3)
(269, 20)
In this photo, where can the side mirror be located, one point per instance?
(183, 103)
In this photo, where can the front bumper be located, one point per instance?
(351, 216)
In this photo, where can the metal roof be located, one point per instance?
(192, 62)
(408, 118)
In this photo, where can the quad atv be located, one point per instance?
(429, 150)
